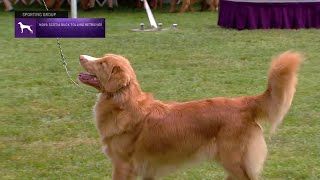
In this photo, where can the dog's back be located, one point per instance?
(220, 129)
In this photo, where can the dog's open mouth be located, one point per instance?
(89, 79)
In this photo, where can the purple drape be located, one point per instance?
(263, 15)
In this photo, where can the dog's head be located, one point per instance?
(109, 73)
(19, 23)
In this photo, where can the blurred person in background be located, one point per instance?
(110, 5)
(87, 5)
(54, 4)
(7, 5)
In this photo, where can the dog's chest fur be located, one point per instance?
(114, 126)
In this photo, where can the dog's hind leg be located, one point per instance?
(247, 163)
(233, 165)
(148, 178)
(256, 153)
(231, 151)
(123, 170)
(236, 172)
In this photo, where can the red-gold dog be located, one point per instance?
(149, 138)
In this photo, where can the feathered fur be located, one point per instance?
(149, 138)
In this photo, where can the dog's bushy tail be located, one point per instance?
(276, 100)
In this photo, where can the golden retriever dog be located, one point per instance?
(148, 138)
(187, 5)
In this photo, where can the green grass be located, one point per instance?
(47, 129)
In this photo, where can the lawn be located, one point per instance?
(47, 129)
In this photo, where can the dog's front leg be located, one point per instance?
(123, 170)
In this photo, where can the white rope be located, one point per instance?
(64, 63)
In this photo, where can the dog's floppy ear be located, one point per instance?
(118, 78)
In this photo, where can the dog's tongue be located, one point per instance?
(89, 80)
